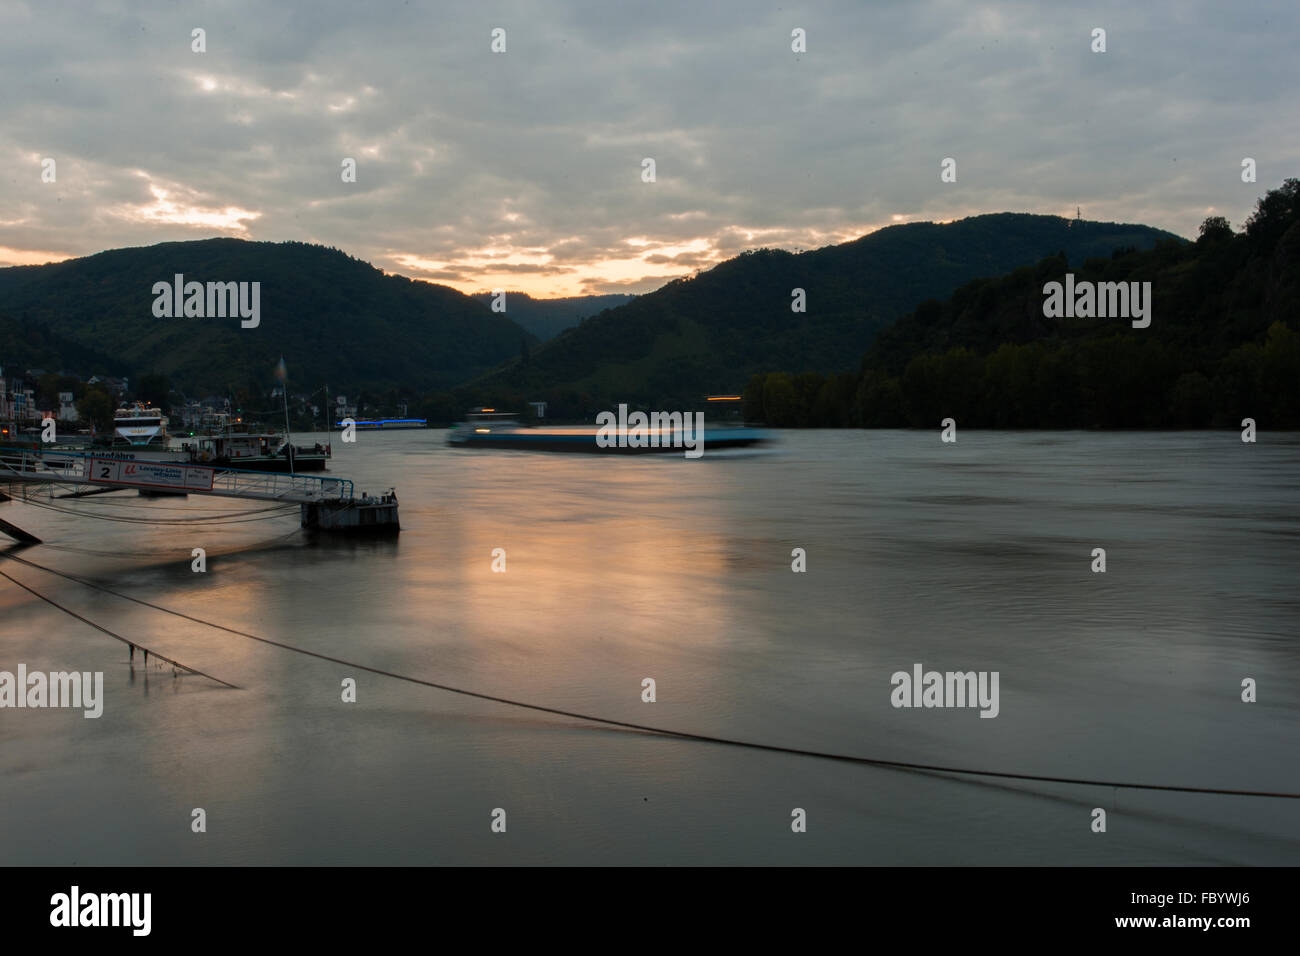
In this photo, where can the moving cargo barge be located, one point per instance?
(488, 428)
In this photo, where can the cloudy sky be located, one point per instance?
(523, 169)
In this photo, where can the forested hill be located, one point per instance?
(1222, 345)
(547, 318)
(711, 332)
(334, 318)
(31, 345)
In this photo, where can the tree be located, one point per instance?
(47, 390)
(1215, 229)
(780, 400)
(1279, 372)
(154, 389)
(97, 406)
(1275, 212)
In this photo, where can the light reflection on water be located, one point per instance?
(967, 556)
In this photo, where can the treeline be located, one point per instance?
(334, 318)
(1222, 345)
(547, 318)
(711, 332)
(1116, 382)
(30, 344)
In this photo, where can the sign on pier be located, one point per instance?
(149, 474)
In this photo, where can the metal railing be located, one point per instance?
(24, 464)
(280, 485)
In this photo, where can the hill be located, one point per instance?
(547, 318)
(334, 318)
(711, 332)
(1222, 345)
(33, 345)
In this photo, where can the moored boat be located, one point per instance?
(249, 451)
(140, 425)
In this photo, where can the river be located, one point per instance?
(973, 556)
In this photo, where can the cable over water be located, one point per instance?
(113, 634)
(662, 731)
(229, 517)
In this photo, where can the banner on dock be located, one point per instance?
(151, 474)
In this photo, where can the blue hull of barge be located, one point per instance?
(527, 439)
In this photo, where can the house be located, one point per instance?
(342, 409)
(67, 408)
(117, 386)
(17, 400)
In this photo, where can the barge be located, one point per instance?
(488, 428)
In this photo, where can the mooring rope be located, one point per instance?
(662, 731)
(230, 517)
(113, 634)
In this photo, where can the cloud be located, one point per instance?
(524, 168)
(637, 286)
(689, 260)
(181, 206)
(29, 257)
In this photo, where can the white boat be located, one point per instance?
(140, 425)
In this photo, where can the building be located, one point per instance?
(342, 409)
(67, 408)
(17, 401)
(209, 415)
(116, 386)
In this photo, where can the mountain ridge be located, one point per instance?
(547, 318)
(335, 318)
(712, 331)
(1218, 344)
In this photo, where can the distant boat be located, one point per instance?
(140, 425)
(389, 424)
(489, 428)
(249, 451)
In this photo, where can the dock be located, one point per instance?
(326, 503)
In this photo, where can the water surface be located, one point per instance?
(973, 556)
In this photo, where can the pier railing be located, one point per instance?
(26, 465)
(277, 485)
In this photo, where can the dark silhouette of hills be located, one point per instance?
(547, 318)
(334, 318)
(1222, 345)
(710, 333)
